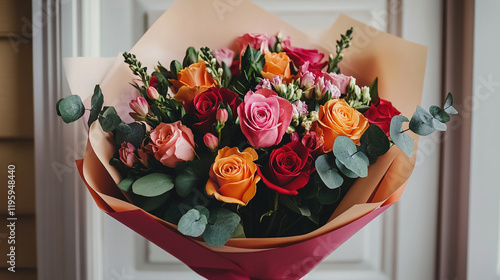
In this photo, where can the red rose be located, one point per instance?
(206, 104)
(288, 169)
(381, 113)
(153, 82)
(299, 56)
(314, 142)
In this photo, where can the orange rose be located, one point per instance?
(337, 118)
(232, 176)
(192, 81)
(276, 64)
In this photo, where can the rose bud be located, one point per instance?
(152, 93)
(222, 115)
(211, 141)
(127, 155)
(140, 106)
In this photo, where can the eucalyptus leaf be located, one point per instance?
(221, 225)
(126, 184)
(345, 170)
(70, 108)
(203, 210)
(327, 171)
(109, 122)
(375, 141)
(439, 114)
(418, 126)
(152, 185)
(346, 152)
(186, 181)
(448, 101)
(401, 139)
(96, 105)
(193, 223)
(439, 125)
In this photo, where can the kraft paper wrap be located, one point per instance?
(399, 65)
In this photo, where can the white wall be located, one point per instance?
(483, 254)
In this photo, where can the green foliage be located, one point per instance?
(193, 223)
(348, 154)
(153, 185)
(109, 119)
(221, 226)
(421, 122)
(252, 64)
(399, 137)
(96, 103)
(327, 171)
(343, 43)
(374, 90)
(70, 108)
(375, 141)
(293, 204)
(133, 135)
(191, 57)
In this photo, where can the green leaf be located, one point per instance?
(110, 122)
(325, 166)
(96, 103)
(347, 153)
(193, 223)
(448, 101)
(70, 108)
(345, 170)
(126, 184)
(311, 190)
(448, 105)
(327, 196)
(57, 106)
(221, 225)
(401, 139)
(439, 114)
(134, 134)
(374, 90)
(421, 122)
(439, 125)
(186, 181)
(203, 210)
(294, 207)
(451, 110)
(375, 141)
(152, 185)
(175, 67)
(239, 232)
(191, 57)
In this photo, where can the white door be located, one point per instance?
(400, 244)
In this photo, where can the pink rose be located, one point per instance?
(339, 80)
(224, 55)
(264, 117)
(255, 40)
(300, 56)
(172, 143)
(127, 155)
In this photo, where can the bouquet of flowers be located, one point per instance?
(231, 155)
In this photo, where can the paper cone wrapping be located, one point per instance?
(399, 65)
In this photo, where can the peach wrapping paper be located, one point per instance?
(399, 65)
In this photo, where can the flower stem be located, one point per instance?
(274, 216)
